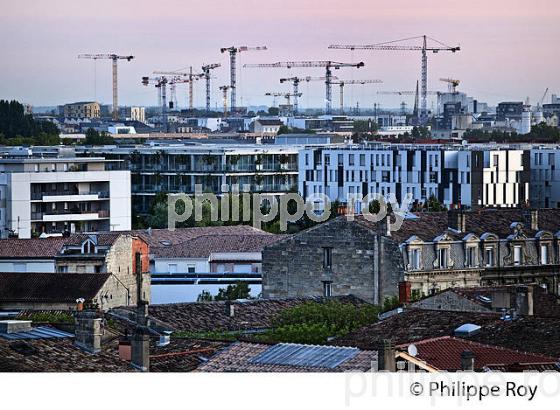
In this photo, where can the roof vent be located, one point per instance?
(484, 299)
(468, 329)
(14, 326)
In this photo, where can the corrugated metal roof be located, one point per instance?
(42, 332)
(305, 355)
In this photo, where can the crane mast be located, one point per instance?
(423, 48)
(295, 83)
(115, 58)
(206, 70)
(233, 68)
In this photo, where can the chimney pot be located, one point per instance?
(467, 361)
(386, 357)
(456, 219)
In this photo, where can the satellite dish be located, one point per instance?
(412, 350)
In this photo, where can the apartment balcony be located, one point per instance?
(69, 215)
(66, 196)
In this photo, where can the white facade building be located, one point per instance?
(467, 176)
(50, 196)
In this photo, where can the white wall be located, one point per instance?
(35, 266)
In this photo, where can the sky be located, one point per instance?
(509, 48)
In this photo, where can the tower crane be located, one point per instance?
(342, 83)
(206, 70)
(295, 83)
(232, 68)
(328, 65)
(224, 89)
(115, 58)
(287, 96)
(451, 83)
(423, 48)
(190, 78)
(161, 85)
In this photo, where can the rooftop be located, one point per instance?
(444, 353)
(285, 357)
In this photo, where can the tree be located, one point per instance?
(239, 290)
(204, 296)
(19, 128)
(432, 204)
(273, 111)
(93, 137)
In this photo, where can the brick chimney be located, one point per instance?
(457, 219)
(405, 292)
(140, 343)
(531, 217)
(88, 331)
(386, 357)
(467, 361)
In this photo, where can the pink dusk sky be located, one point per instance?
(510, 49)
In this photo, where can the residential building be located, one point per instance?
(471, 176)
(488, 248)
(545, 176)
(178, 168)
(51, 196)
(267, 126)
(338, 257)
(509, 111)
(114, 256)
(83, 109)
(133, 114)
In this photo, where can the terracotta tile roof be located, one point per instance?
(529, 333)
(56, 355)
(210, 316)
(60, 355)
(48, 248)
(49, 287)
(239, 356)
(444, 353)
(204, 245)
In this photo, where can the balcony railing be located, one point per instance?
(40, 195)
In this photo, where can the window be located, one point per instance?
(327, 258)
(517, 255)
(489, 256)
(351, 159)
(327, 289)
(442, 258)
(20, 267)
(471, 256)
(327, 159)
(544, 254)
(415, 259)
(191, 269)
(362, 160)
(172, 268)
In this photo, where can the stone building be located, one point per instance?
(115, 257)
(338, 257)
(484, 248)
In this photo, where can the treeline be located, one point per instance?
(540, 133)
(19, 128)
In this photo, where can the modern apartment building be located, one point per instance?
(178, 168)
(470, 176)
(51, 196)
(545, 176)
(83, 109)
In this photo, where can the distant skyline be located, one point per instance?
(509, 48)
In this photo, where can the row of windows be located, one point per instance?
(415, 257)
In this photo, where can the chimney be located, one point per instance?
(531, 217)
(230, 308)
(386, 357)
(140, 345)
(125, 349)
(457, 220)
(467, 361)
(405, 292)
(88, 331)
(524, 300)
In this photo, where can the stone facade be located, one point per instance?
(339, 257)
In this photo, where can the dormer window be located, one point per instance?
(89, 247)
(544, 255)
(414, 256)
(517, 255)
(489, 256)
(471, 256)
(442, 257)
